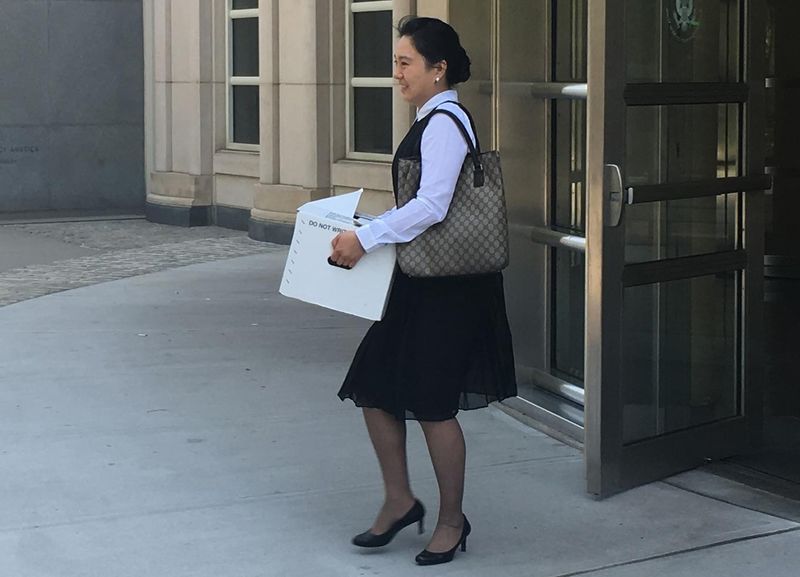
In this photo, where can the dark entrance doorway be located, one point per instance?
(774, 462)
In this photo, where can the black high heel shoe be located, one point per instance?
(431, 558)
(415, 515)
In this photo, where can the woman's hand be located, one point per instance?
(347, 249)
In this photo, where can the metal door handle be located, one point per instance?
(612, 177)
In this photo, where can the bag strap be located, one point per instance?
(478, 176)
(471, 121)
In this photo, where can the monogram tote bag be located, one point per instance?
(473, 237)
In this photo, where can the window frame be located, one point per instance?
(231, 81)
(362, 82)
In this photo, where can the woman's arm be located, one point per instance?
(443, 151)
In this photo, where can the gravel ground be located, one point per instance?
(119, 249)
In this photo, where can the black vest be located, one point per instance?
(411, 145)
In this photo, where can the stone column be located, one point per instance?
(295, 114)
(434, 9)
(181, 138)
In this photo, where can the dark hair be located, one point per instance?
(437, 41)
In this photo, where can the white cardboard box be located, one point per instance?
(361, 291)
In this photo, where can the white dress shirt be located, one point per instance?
(443, 151)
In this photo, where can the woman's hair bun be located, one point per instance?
(462, 68)
(436, 41)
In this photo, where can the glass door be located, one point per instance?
(674, 264)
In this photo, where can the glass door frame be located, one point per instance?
(551, 397)
(611, 465)
(551, 400)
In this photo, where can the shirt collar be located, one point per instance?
(435, 101)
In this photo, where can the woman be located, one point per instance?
(444, 343)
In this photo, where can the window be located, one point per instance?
(369, 74)
(243, 75)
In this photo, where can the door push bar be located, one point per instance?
(617, 195)
(697, 188)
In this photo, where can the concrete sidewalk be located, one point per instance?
(185, 423)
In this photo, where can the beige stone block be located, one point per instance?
(403, 113)
(434, 9)
(185, 40)
(153, 198)
(285, 199)
(401, 8)
(323, 42)
(355, 174)
(162, 126)
(373, 202)
(338, 60)
(481, 107)
(472, 19)
(270, 133)
(269, 45)
(339, 122)
(298, 41)
(176, 185)
(186, 128)
(403, 116)
(299, 127)
(269, 216)
(237, 163)
(324, 156)
(524, 36)
(235, 191)
(219, 25)
(162, 40)
(206, 120)
(206, 40)
(220, 116)
(192, 128)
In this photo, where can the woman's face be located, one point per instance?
(417, 81)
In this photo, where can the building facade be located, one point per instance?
(249, 113)
(649, 168)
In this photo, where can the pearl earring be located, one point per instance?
(436, 81)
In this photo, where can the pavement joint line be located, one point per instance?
(89, 519)
(377, 485)
(680, 552)
(773, 475)
(522, 462)
(729, 502)
(155, 430)
(275, 495)
(66, 220)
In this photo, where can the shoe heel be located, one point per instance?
(420, 527)
(464, 544)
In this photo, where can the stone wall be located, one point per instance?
(71, 105)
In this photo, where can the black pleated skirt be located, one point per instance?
(443, 345)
